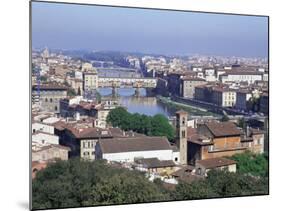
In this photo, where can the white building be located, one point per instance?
(239, 76)
(44, 138)
(130, 149)
(42, 127)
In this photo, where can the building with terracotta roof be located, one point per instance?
(130, 149)
(188, 84)
(48, 96)
(241, 75)
(155, 166)
(203, 166)
(49, 152)
(218, 139)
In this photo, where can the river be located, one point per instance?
(142, 104)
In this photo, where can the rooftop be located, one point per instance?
(220, 129)
(118, 145)
(155, 163)
(215, 162)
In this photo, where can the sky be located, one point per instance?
(74, 27)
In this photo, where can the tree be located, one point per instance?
(242, 123)
(253, 164)
(225, 118)
(71, 92)
(43, 78)
(225, 183)
(160, 127)
(98, 96)
(194, 190)
(157, 125)
(118, 117)
(75, 183)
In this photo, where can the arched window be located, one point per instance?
(51, 100)
(183, 133)
(56, 108)
(183, 120)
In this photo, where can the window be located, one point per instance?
(183, 134)
(46, 99)
(34, 130)
(176, 159)
(56, 108)
(183, 120)
(51, 100)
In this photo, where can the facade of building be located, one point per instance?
(130, 149)
(189, 84)
(45, 138)
(219, 139)
(49, 152)
(239, 76)
(90, 81)
(216, 94)
(264, 103)
(242, 99)
(155, 166)
(223, 97)
(203, 166)
(48, 96)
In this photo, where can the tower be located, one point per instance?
(181, 131)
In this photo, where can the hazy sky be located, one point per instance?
(67, 26)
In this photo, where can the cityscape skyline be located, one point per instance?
(64, 23)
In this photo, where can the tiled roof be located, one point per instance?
(220, 129)
(215, 162)
(155, 163)
(118, 145)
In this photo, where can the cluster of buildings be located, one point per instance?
(240, 87)
(198, 147)
(65, 126)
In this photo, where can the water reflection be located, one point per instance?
(142, 104)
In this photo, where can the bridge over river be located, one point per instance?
(126, 82)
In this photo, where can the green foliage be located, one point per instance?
(157, 125)
(221, 184)
(98, 96)
(242, 123)
(161, 127)
(225, 118)
(76, 183)
(43, 78)
(195, 190)
(225, 183)
(71, 92)
(253, 164)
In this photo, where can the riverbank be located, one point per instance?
(196, 111)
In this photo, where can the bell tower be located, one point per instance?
(181, 131)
